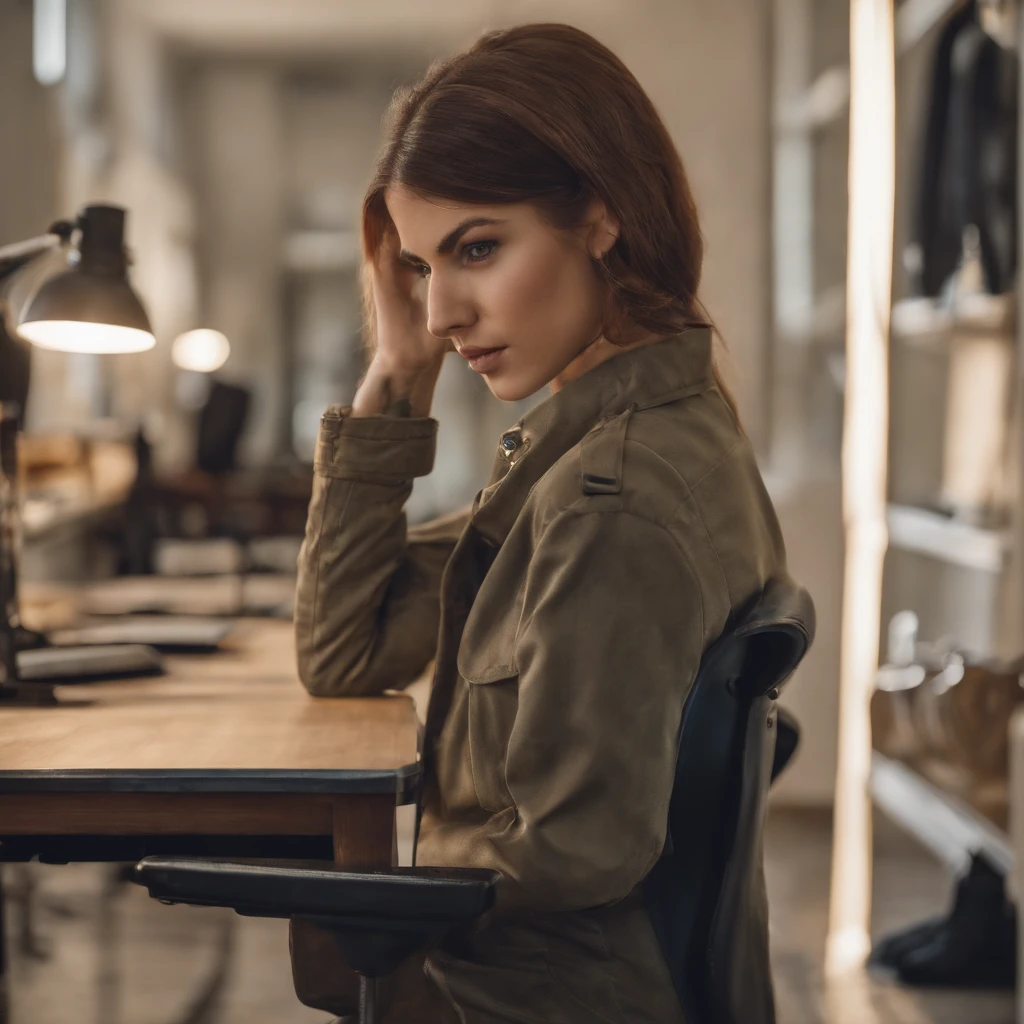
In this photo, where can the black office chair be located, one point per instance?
(706, 897)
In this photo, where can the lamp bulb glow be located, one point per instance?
(202, 350)
(82, 337)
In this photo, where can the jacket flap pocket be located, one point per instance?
(485, 665)
(487, 651)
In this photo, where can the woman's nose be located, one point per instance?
(448, 309)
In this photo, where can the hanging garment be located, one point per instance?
(968, 168)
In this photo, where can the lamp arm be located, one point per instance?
(16, 255)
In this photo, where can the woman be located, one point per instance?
(530, 210)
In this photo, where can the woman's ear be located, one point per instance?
(602, 229)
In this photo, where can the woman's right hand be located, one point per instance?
(407, 359)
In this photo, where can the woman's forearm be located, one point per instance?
(396, 390)
(366, 604)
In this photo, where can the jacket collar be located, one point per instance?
(639, 378)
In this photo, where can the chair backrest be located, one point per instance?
(222, 421)
(706, 896)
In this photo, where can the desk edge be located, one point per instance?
(401, 781)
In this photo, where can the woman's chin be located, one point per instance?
(507, 388)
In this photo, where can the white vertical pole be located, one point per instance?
(865, 442)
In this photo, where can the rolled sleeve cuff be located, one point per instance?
(375, 449)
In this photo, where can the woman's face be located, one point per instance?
(519, 299)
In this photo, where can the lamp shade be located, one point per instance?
(91, 307)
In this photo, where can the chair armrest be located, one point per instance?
(441, 896)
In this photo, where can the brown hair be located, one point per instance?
(546, 114)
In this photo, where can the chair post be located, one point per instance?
(367, 1000)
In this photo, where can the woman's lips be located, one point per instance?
(483, 360)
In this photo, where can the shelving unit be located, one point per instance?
(827, 98)
(941, 821)
(947, 826)
(949, 540)
(965, 577)
(916, 18)
(985, 560)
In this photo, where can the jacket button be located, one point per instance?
(510, 442)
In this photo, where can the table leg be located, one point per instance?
(364, 831)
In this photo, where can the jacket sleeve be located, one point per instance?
(609, 644)
(368, 592)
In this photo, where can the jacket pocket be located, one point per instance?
(492, 681)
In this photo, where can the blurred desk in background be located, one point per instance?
(72, 488)
(249, 503)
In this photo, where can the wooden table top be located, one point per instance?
(235, 721)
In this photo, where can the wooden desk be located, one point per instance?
(227, 755)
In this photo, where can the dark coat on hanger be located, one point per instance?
(968, 169)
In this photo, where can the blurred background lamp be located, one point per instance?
(91, 307)
(202, 350)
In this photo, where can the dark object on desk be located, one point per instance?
(12, 690)
(88, 664)
(378, 919)
(139, 531)
(707, 900)
(974, 946)
(15, 363)
(29, 639)
(221, 424)
(177, 634)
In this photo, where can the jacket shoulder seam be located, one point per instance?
(692, 499)
(580, 508)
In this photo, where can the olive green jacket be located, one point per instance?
(568, 611)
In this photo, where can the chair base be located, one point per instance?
(375, 949)
(367, 1004)
(367, 1000)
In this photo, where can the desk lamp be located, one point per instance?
(89, 307)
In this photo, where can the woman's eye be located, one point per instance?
(475, 252)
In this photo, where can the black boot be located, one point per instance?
(887, 954)
(973, 947)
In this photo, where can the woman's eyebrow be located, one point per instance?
(448, 243)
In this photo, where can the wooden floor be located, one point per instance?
(103, 953)
(908, 887)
